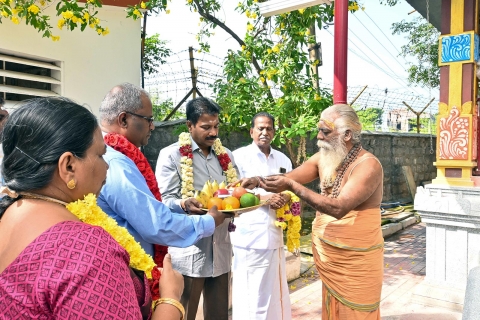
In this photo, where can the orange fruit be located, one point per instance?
(233, 202)
(215, 201)
(238, 192)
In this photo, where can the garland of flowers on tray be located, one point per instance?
(89, 212)
(186, 162)
(289, 216)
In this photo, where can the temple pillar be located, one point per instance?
(458, 113)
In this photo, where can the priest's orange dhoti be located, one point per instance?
(348, 254)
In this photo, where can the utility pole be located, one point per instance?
(418, 114)
(194, 91)
(193, 72)
(313, 55)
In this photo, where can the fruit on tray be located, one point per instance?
(221, 192)
(248, 200)
(230, 203)
(214, 201)
(212, 191)
(238, 192)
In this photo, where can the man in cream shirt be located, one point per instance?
(260, 289)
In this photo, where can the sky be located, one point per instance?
(373, 57)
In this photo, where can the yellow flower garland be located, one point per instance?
(89, 212)
(285, 219)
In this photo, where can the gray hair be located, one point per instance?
(347, 120)
(124, 97)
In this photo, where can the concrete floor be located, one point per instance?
(404, 260)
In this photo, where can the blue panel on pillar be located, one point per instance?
(477, 43)
(456, 48)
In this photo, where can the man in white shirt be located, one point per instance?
(259, 289)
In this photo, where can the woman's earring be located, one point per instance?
(71, 184)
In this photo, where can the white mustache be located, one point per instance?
(324, 145)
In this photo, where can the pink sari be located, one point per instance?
(72, 271)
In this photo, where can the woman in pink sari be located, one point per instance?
(52, 265)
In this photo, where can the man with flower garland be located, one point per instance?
(131, 194)
(182, 168)
(347, 241)
(260, 288)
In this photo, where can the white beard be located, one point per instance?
(331, 156)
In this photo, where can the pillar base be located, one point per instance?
(452, 217)
(454, 173)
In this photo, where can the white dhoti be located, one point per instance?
(260, 288)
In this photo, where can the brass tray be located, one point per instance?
(239, 211)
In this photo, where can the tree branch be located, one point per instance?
(213, 19)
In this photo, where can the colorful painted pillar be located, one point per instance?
(458, 113)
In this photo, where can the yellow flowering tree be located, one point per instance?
(70, 13)
(270, 71)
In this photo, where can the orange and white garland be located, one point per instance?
(186, 164)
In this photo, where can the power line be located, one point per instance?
(371, 61)
(395, 58)
(388, 39)
(404, 83)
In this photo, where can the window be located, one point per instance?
(22, 79)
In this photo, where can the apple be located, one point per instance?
(221, 192)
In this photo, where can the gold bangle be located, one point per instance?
(173, 302)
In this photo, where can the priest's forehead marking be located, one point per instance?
(328, 123)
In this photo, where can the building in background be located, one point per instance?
(82, 66)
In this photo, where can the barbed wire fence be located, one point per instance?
(188, 73)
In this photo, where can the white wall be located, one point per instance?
(92, 64)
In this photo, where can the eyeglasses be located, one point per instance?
(149, 119)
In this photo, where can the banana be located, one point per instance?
(222, 185)
(210, 188)
(204, 199)
(199, 196)
(206, 191)
(214, 186)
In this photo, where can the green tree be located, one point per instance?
(156, 53)
(370, 118)
(270, 70)
(71, 13)
(423, 46)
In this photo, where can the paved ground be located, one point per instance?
(404, 269)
